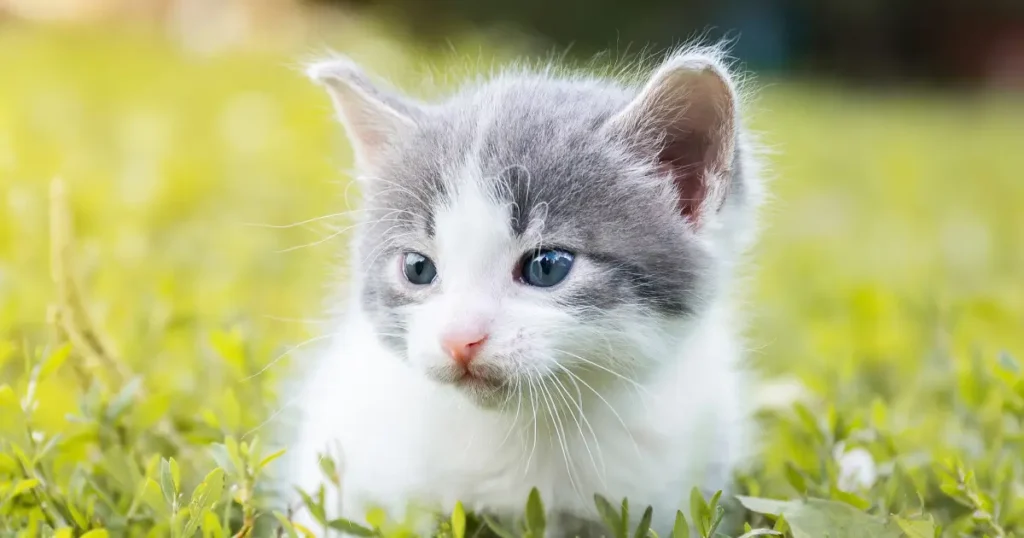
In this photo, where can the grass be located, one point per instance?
(142, 318)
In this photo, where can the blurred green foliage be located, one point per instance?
(145, 322)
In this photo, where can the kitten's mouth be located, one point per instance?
(470, 380)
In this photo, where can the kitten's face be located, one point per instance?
(511, 237)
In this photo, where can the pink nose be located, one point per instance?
(462, 346)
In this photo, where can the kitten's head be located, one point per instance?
(535, 226)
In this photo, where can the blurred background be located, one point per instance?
(889, 283)
(934, 42)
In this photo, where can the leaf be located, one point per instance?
(535, 520)
(315, 509)
(219, 453)
(235, 455)
(66, 532)
(203, 499)
(211, 526)
(124, 398)
(624, 529)
(851, 499)
(77, 516)
(12, 417)
(781, 525)
(54, 361)
(815, 518)
(796, 479)
(699, 512)
(350, 527)
(496, 528)
(266, 461)
(175, 475)
(96, 533)
(681, 529)
(609, 515)
(645, 523)
(458, 520)
(306, 533)
(376, 517)
(167, 482)
(152, 466)
(153, 498)
(23, 486)
(917, 528)
(760, 532)
(330, 469)
(286, 525)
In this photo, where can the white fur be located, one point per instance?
(405, 438)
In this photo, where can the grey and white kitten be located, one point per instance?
(542, 294)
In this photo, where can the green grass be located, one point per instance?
(890, 282)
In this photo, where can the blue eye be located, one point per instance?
(419, 269)
(545, 268)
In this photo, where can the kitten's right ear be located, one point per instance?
(374, 117)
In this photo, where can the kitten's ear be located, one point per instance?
(373, 116)
(685, 116)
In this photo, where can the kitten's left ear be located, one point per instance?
(373, 116)
(685, 117)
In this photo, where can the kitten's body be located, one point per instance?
(626, 379)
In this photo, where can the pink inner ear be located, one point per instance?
(684, 156)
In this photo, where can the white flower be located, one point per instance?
(857, 469)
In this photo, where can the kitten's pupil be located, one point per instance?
(419, 269)
(547, 268)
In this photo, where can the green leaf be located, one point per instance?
(609, 515)
(77, 516)
(681, 529)
(175, 475)
(376, 517)
(23, 486)
(204, 498)
(917, 528)
(96, 533)
(350, 527)
(286, 525)
(330, 469)
(496, 528)
(235, 455)
(624, 514)
(535, 520)
(645, 523)
(760, 532)
(54, 361)
(219, 453)
(699, 512)
(315, 509)
(12, 417)
(851, 499)
(815, 518)
(796, 479)
(153, 498)
(167, 482)
(717, 513)
(781, 525)
(458, 520)
(266, 461)
(211, 526)
(124, 398)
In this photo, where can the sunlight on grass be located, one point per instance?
(890, 282)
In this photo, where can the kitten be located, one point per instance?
(542, 295)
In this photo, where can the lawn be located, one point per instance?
(146, 309)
